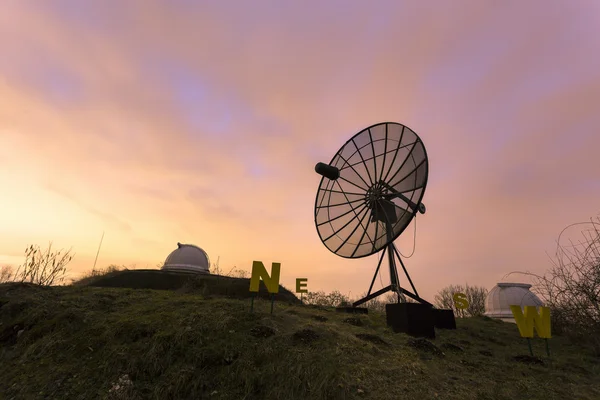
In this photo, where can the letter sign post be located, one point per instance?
(460, 302)
(259, 272)
(300, 285)
(531, 319)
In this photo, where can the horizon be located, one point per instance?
(162, 122)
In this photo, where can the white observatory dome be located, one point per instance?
(504, 295)
(189, 258)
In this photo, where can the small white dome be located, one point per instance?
(504, 295)
(187, 257)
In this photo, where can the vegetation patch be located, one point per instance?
(527, 359)
(262, 331)
(121, 343)
(451, 347)
(151, 334)
(425, 345)
(354, 321)
(305, 336)
(372, 338)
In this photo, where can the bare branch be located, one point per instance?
(43, 268)
(571, 287)
(6, 274)
(475, 297)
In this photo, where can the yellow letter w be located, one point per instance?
(526, 322)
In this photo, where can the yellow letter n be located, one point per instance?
(260, 272)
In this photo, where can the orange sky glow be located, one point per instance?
(160, 122)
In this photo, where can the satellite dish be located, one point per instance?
(368, 195)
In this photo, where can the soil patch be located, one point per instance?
(425, 346)
(321, 308)
(354, 321)
(451, 347)
(305, 336)
(9, 335)
(262, 331)
(371, 338)
(527, 359)
(468, 363)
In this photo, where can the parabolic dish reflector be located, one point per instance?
(383, 173)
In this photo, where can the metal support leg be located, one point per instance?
(377, 270)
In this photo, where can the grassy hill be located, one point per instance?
(206, 285)
(81, 342)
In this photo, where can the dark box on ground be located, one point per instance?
(352, 310)
(411, 318)
(444, 319)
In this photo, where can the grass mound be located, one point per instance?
(206, 285)
(80, 342)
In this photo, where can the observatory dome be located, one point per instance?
(188, 258)
(504, 295)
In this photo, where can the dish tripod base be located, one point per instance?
(395, 287)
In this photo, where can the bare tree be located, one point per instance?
(378, 303)
(214, 268)
(235, 272)
(337, 299)
(43, 268)
(445, 299)
(475, 297)
(6, 273)
(320, 298)
(571, 287)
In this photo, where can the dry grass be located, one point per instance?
(113, 343)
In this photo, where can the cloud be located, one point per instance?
(109, 219)
(199, 122)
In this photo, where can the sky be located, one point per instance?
(200, 122)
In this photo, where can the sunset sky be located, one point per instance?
(200, 122)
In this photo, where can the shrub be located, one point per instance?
(475, 296)
(6, 273)
(320, 298)
(94, 274)
(235, 272)
(337, 299)
(43, 268)
(571, 287)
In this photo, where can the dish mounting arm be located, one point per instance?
(420, 207)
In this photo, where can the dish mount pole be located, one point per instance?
(392, 253)
(395, 281)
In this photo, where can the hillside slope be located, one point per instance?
(206, 285)
(100, 343)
